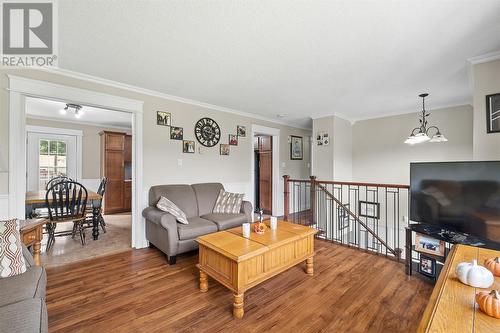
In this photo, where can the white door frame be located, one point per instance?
(77, 134)
(277, 209)
(19, 89)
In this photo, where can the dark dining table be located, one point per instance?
(36, 199)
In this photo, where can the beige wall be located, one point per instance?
(379, 154)
(486, 78)
(91, 152)
(333, 162)
(160, 153)
(342, 149)
(322, 155)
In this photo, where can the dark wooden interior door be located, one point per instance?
(265, 174)
(114, 188)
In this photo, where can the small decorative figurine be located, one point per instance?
(474, 275)
(260, 227)
(493, 265)
(489, 303)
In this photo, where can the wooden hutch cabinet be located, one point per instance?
(116, 166)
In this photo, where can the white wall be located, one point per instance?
(486, 78)
(161, 154)
(379, 154)
(334, 161)
(91, 143)
(342, 149)
(322, 155)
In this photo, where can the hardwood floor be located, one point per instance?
(136, 291)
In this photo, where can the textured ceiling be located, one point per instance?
(359, 59)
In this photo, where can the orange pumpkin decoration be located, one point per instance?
(493, 265)
(259, 227)
(489, 303)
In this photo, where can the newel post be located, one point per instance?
(286, 197)
(313, 199)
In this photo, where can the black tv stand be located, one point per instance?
(449, 236)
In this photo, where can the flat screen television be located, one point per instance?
(457, 196)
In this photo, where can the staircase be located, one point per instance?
(371, 217)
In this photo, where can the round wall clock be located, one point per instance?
(207, 132)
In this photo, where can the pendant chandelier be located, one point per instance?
(422, 133)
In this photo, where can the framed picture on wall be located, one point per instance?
(176, 133)
(296, 148)
(233, 139)
(343, 217)
(493, 113)
(369, 209)
(188, 146)
(224, 149)
(163, 118)
(241, 131)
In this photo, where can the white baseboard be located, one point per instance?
(4, 206)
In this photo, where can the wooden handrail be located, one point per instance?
(335, 182)
(323, 188)
(362, 184)
(297, 180)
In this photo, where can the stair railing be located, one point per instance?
(369, 216)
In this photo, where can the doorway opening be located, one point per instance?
(263, 173)
(93, 148)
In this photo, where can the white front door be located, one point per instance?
(48, 156)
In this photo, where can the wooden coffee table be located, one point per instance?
(452, 306)
(240, 263)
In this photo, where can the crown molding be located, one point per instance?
(78, 122)
(487, 57)
(154, 93)
(467, 102)
(335, 114)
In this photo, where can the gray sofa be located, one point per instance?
(22, 300)
(197, 201)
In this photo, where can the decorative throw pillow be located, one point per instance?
(228, 203)
(11, 250)
(168, 206)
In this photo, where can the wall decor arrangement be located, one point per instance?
(188, 146)
(427, 266)
(224, 149)
(163, 118)
(207, 132)
(369, 209)
(322, 139)
(429, 245)
(493, 113)
(296, 148)
(233, 140)
(176, 133)
(241, 131)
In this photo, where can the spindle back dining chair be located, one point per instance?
(66, 202)
(96, 204)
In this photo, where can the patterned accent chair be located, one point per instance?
(22, 299)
